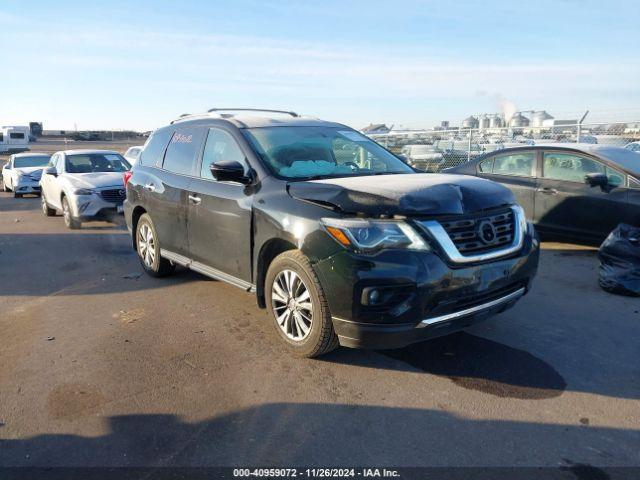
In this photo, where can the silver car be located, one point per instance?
(132, 154)
(21, 174)
(84, 185)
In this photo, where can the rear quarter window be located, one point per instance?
(154, 149)
(181, 154)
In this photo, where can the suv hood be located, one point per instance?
(27, 170)
(96, 180)
(404, 194)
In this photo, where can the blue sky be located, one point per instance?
(139, 64)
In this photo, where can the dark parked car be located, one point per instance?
(339, 239)
(575, 190)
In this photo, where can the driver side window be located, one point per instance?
(56, 163)
(220, 146)
(569, 167)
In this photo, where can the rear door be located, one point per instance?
(517, 171)
(566, 204)
(220, 212)
(166, 188)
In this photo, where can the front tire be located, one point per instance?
(69, 220)
(148, 249)
(46, 210)
(298, 306)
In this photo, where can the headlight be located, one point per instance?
(84, 191)
(369, 236)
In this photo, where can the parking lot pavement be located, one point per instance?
(100, 365)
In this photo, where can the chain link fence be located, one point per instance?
(434, 150)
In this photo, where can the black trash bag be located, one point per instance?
(620, 261)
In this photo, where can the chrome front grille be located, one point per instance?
(479, 237)
(115, 195)
(483, 233)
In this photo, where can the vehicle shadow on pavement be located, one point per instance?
(81, 262)
(289, 434)
(470, 361)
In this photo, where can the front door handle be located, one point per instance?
(547, 191)
(150, 186)
(195, 199)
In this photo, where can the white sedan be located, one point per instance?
(21, 174)
(84, 185)
(132, 154)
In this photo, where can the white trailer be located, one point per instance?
(14, 139)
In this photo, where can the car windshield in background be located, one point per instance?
(96, 162)
(321, 152)
(25, 162)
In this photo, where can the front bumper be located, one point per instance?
(27, 186)
(428, 297)
(87, 207)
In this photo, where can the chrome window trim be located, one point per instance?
(440, 235)
(468, 311)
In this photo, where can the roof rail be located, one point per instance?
(211, 110)
(188, 115)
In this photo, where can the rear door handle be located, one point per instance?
(195, 199)
(547, 191)
(150, 186)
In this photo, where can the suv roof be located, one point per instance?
(249, 118)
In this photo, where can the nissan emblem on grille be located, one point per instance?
(486, 232)
(475, 234)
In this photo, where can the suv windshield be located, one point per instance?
(22, 162)
(321, 152)
(96, 162)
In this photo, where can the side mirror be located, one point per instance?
(7, 167)
(229, 171)
(403, 157)
(596, 180)
(50, 171)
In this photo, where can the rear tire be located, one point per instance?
(148, 248)
(17, 195)
(69, 220)
(298, 306)
(46, 210)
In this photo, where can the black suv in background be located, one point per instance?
(339, 239)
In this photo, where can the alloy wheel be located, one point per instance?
(146, 245)
(291, 302)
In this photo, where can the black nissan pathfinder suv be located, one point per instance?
(339, 239)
